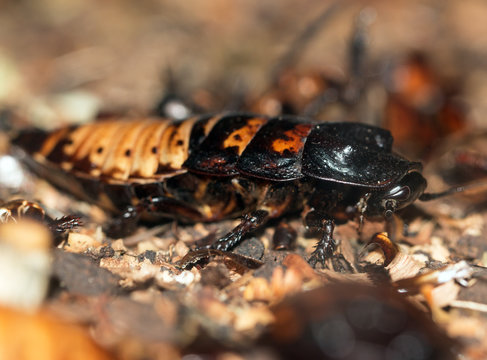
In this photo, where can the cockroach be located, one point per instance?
(15, 210)
(212, 167)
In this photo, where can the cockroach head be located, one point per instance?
(396, 196)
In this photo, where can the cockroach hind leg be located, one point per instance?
(326, 246)
(249, 223)
(284, 237)
(64, 223)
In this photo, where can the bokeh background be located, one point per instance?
(69, 59)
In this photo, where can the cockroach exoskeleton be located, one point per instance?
(15, 210)
(212, 167)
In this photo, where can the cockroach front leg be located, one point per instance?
(326, 246)
(250, 222)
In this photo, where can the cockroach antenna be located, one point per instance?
(434, 196)
(476, 187)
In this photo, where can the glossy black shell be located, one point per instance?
(348, 153)
(283, 148)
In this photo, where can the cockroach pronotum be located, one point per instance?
(212, 167)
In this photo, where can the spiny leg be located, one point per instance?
(326, 246)
(275, 200)
(60, 225)
(249, 223)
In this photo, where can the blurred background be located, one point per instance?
(73, 59)
(421, 72)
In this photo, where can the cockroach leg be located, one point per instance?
(249, 223)
(284, 237)
(64, 223)
(326, 246)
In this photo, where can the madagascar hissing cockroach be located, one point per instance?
(15, 210)
(212, 167)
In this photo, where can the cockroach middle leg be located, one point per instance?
(250, 222)
(284, 237)
(326, 246)
(275, 200)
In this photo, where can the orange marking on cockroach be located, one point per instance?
(240, 138)
(119, 161)
(147, 149)
(80, 143)
(51, 142)
(106, 135)
(165, 150)
(110, 146)
(294, 140)
(175, 142)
